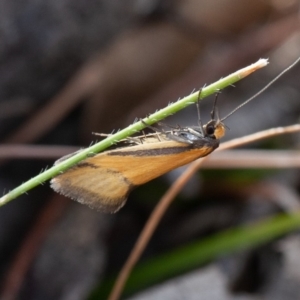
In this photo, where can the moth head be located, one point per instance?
(215, 129)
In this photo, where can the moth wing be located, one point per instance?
(104, 181)
(100, 188)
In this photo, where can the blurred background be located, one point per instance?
(70, 68)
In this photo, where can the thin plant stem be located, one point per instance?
(131, 129)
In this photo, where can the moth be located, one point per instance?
(105, 180)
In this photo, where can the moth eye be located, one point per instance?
(210, 130)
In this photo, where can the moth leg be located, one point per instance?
(152, 127)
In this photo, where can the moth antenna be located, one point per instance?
(199, 114)
(263, 89)
(215, 111)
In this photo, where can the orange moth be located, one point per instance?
(105, 180)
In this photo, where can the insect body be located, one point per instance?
(105, 180)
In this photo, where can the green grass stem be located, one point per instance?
(131, 129)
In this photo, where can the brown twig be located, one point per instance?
(169, 196)
(234, 159)
(253, 159)
(34, 151)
